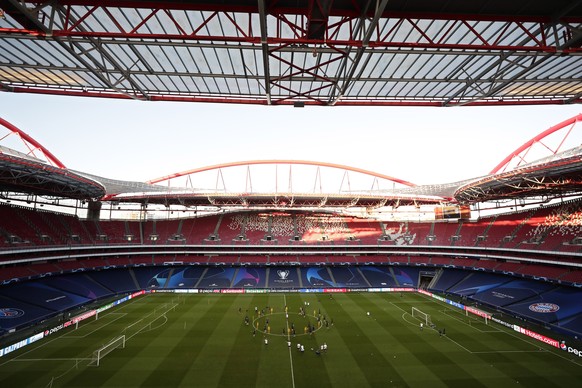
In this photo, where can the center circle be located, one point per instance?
(288, 324)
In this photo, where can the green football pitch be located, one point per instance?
(201, 340)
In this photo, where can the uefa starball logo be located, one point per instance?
(10, 312)
(544, 308)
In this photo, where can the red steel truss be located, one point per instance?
(247, 163)
(319, 52)
(32, 147)
(519, 157)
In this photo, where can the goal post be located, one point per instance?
(423, 317)
(475, 312)
(116, 343)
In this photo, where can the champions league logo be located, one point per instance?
(544, 308)
(283, 275)
(10, 313)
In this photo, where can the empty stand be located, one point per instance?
(223, 259)
(160, 232)
(45, 268)
(94, 263)
(261, 259)
(133, 231)
(557, 225)
(574, 276)
(200, 230)
(308, 259)
(11, 272)
(424, 260)
(443, 233)
(194, 259)
(472, 233)
(440, 260)
(17, 231)
(365, 231)
(230, 228)
(69, 265)
(141, 260)
(464, 262)
(255, 227)
(340, 259)
(283, 227)
(113, 232)
(511, 267)
(487, 264)
(502, 229)
(543, 271)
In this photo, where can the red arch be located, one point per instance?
(534, 140)
(50, 157)
(277, 161)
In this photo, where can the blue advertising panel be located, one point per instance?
(283, 277)
(151, 277)
(184, 277)
(217, 277)
(551, 306)
(118, 280)
(407, 276)
(79, 284)
(449, 278)
(14, 313)
(512, 292)
(316, 277)
(42, 295)
(572, 324)
(379, 276)
(348, 277)
(479, 282)
(250, 277)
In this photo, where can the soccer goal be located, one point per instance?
(423, 317)
(116, 343)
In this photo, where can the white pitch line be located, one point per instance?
(509, 351)
(50, 359)
(289, 339)
(527, 340)
(45, 342)
(445, 312)
(121, 315)
(447, 337)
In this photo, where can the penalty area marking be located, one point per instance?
(405, 314)
(121, 315)
(58, 336)
(451, 314)
(493, 351)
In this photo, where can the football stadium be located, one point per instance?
(315, 259)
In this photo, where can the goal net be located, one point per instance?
(421, 316)
(116, 343)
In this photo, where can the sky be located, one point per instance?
(138, 141)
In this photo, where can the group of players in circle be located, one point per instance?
(264, 318)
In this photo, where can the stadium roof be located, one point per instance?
(24, 174)
(39, 172)
(321, 52)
